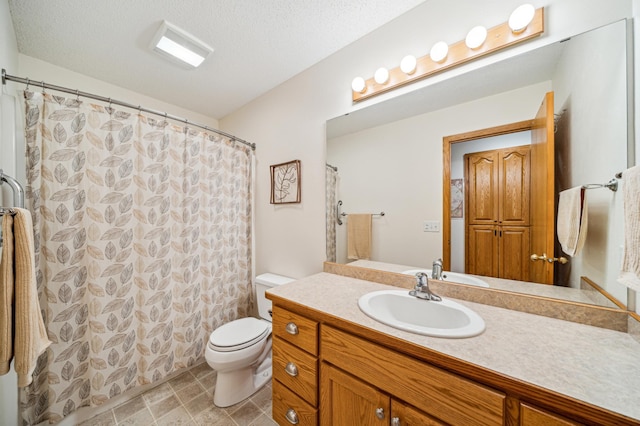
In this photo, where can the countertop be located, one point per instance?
(594, 365)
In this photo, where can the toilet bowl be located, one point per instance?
(240, 351)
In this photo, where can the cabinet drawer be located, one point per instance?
(443, 395)
(295, 329)
(533, 416)
(287, 407)
(296, 369)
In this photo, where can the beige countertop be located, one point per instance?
(594, 365)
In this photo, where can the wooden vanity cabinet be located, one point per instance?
(533, 416)
(295, 368)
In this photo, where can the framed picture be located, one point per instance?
(285, 183)
(457, 198)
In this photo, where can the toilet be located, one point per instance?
(240, 351)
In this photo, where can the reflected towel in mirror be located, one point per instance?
(359, 236)
(630, 271)
(572, 220)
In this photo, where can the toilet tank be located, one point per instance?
(264, 282)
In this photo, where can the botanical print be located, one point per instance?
(285, 183)
(457, 198)
(143, 239)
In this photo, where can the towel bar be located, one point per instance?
(339, 214)
(612, 185)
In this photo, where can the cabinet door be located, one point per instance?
(481, 257)
(533, 416)
(513, 186)
(406, 415)
(347, 401)
(482, 191)
(513, 247)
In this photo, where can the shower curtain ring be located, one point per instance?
(42, 82)
(28, 81)
(109, 102)
(77, 95)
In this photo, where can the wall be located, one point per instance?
(289, 121)
(8, 60)
(397, 168)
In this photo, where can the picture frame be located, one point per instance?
(285, 183)
(457, 198)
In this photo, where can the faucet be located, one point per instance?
(421, 290)
(436, 269)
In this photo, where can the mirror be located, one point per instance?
(389, 155)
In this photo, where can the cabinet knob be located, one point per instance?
(291, 369)
(380, 413)
(395, 421)
(292, 328)
(292, 416)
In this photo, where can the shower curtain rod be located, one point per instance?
(6, 77)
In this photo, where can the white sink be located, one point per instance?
(453, 277)
(398, 309)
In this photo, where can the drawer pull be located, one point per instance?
(380, 413)
(292, 416)
(292, 328)
(395, 421)
(291, 369)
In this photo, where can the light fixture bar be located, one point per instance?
(498, 38)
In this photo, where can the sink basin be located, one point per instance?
(398, 309)
(453, 277)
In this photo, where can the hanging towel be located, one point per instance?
(30, 335)
(572, 220)
(359, 236)
(630, 271)
(6, 295)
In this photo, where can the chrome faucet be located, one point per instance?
(421, 290)
(436, 270)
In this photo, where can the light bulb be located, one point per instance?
(358, 85)
(439, 51)
(381, 76)
(476, 37)
(408, 64)
(521, 17)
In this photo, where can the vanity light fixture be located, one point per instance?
(179, 46)
(358, 85)
(521, 18)
(478, 43)
(439, 51)
(381, 76)
(408, 64)
(476, 37)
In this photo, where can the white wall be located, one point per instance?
(590, 86)
(8, 60)
(289, 121)
(397, 168)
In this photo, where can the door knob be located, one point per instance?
(544, 257)
(535, 257)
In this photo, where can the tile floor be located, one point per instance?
(188, 400)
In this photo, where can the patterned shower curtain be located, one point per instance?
(331, 189)
(143, 246)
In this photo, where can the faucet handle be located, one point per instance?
(422, 280)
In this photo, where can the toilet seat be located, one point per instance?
(239, 334)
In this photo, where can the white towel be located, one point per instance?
(572, 220)
(359, 236)
(630, 271)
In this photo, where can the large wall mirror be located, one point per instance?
(389, 155)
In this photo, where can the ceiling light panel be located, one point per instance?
(179, 46)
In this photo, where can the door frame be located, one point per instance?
(447, 141)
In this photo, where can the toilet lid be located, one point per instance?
(238, 334)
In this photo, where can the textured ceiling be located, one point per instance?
(258, 43)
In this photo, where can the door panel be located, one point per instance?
(514, 246)
(481, 256)
(514, 186)
(483, 188)
(542, 191)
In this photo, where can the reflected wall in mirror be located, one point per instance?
(389, 155)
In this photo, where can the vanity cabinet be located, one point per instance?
(295, 368)
(533, 416)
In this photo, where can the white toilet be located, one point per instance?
(240, 351)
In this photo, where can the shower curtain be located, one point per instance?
(331, 189)
(143, 247)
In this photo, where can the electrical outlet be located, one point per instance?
(431, 226)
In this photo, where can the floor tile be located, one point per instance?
(201, 370)
(104, 419)
(176, 417)
(142, 417)
(208, 381)
(189, 392)
(161, 408)
(246, 413)
(182, 380)
(128, 409)
(264, 420)
(262, 399)
(199, 404)
(213, 416)
(158, 393)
